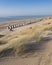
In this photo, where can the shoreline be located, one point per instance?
(4, 25)
(15, 18)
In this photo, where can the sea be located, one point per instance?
(10, 18)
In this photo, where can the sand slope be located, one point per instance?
(32, 42)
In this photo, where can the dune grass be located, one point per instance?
(35, 33)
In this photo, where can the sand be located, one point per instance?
(42, 54)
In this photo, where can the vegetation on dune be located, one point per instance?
(18, 41)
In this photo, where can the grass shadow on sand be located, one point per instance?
(7, 53)
(1, 36)
(31, 47)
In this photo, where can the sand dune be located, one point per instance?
(27, 45)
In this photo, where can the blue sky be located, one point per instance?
(25, 7)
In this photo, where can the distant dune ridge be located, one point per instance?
(33, 40)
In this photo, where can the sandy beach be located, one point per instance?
(29, 44)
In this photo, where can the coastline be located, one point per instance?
(34, 41)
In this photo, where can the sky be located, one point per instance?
(25, 7)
